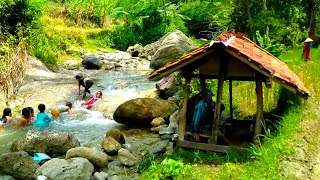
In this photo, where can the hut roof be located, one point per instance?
(243, 49)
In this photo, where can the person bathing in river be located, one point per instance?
(31, 110)
(25, 119)
(93, 100)
(55, 112)
(43, 119)
(6, 117)
(86, 83)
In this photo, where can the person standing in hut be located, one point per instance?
(306, 49)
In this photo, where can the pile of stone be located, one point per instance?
(117, 60)
(71, 161)
(167, 49)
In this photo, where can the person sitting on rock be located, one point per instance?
(93, 101)
(25, 118)
(55, 112)
(43, 119)
(86, 83)
(6, 117)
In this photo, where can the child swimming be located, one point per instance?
(55, 112)
(6, 117)
(93, 100)
(43, 119)
(25, 118)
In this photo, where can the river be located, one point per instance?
(89, 126)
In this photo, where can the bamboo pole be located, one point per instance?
(259, 115)
(183, 111)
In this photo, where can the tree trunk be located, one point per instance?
(249, 16)
(313, 24)
(265, 4)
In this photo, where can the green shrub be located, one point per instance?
(169, 169)
(15, 14)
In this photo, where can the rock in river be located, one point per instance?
(19, 165)
(141, 111)
(53, 142)
(97, 158)
(71, 169)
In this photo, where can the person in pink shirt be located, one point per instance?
(93, 100)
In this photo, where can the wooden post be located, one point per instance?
(183, 111)
(216, 118)
(203, 83)
(230, 100)
(259, 115)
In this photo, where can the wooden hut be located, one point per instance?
(231, 57)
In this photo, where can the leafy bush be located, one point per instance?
(271, 46)
(15, 14)
(169, 169)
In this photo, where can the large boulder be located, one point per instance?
(54, 142)
(19, 165)
(150, 49)
(91, 62)
(172, 47)
(97, 158)
(135, 50)
(71, 169)
(141, 111)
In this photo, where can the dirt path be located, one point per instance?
(305, 162)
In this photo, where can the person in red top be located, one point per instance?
(306, 49)
(93, 100)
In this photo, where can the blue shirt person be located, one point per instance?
(202, 111)
(43, 119)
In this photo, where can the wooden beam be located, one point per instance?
(181, 64)
(259, 115)
(183, 111)
(240, 78)
(230, 98)
(223, 68)
(205, 146)
(200, 135)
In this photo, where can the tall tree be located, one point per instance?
(314, 7)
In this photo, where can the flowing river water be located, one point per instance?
(89, 126)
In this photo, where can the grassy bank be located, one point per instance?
(290, 118)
